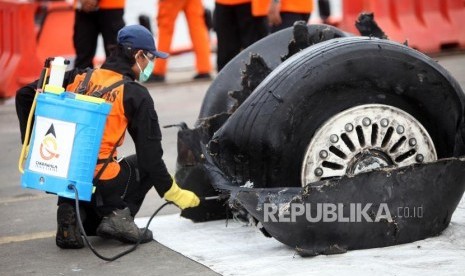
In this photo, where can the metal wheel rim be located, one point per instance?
(364, 138)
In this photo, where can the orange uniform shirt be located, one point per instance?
(107, 4)
(260, 7)
(111, 4)
(232, 2)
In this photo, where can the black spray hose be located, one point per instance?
(110, 259)
(81, 227)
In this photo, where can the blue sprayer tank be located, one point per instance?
(65, 142)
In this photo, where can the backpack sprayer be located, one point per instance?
(61, 156)
(66, 136)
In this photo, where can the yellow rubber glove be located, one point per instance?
(183, 198)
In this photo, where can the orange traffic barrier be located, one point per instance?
(350, 11)
(382, 9)
(428, 25)
(411, 21)
(18, 59)
(435, 15)
(55, 35)
(455, 14)
(25, 43)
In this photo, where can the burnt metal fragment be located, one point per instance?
(305, 36)
(367, 26)
(255, 72)
(417, 202)
(195, 179)
(300, 41)
(191, 174)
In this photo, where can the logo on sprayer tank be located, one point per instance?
(49, 145)
(52, 146)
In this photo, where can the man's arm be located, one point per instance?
(145, 131)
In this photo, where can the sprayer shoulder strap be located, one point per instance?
(83, 86)
(82, 89)
(101, 93)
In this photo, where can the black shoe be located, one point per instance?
(119, 225)
(202, 76)
(154, 78)
(68, 234)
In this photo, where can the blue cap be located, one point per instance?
(138, 37)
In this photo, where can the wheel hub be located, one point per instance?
(368, 160)
(365, 138)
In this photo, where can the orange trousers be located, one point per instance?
(168, 10)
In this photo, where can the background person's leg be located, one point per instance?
(109, 23)
(85, 38)
(325, 10)
(251, 28)
(227, 32)
(167, 13)
(194, 12)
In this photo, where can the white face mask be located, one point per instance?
(144, 75)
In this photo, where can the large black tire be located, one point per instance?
(265, 140)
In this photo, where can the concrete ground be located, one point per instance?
(28, 217)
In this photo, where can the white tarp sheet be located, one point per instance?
(243, 250)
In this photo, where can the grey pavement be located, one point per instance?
(28, 217)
